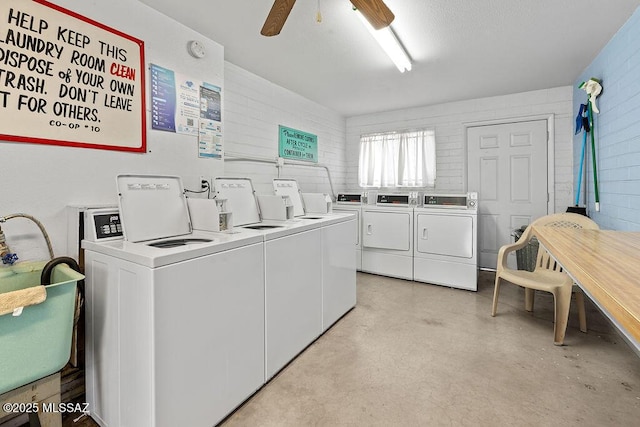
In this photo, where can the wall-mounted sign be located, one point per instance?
(210, 142)
(68, 80)
(298, 145)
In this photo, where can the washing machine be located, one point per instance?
(339, 237)
(387, 235)
(446, 240)
(352, 203)
(305, 205)
(174, 318)
(338, 266)
(302, 257)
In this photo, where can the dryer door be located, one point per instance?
(450, 235)
(387, 230)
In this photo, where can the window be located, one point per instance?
(398, 159)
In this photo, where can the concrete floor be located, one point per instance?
(415, 354)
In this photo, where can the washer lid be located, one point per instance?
(240, 197)
(152, 207)
(289, 187)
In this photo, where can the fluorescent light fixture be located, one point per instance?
(387, 39)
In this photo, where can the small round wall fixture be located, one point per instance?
(196, 49)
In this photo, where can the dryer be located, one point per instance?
(387, 236)
(446, 236)
(174, 318)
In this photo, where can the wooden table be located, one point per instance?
(606, 265)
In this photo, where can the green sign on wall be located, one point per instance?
(298, 145)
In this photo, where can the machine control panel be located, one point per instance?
(349, 198)
(445, 200)
(102, 225)
(393, 199)
(459, 201)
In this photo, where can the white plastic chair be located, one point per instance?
(547, 276)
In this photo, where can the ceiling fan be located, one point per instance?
(375, 11)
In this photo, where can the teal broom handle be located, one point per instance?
(593, 156)
(584, 146)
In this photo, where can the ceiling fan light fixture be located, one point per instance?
(389, 42)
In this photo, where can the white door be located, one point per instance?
(507, 166)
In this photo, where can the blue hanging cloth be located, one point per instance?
(582, 121)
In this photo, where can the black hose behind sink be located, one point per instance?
(45, 277)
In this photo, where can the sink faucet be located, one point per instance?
(5, 252)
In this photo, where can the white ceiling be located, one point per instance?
(461, 49)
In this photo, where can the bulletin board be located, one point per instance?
(182, 104)
(68, 80)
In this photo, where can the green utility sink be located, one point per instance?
(36, 343)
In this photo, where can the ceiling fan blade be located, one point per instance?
(277, 17)
(375, 11)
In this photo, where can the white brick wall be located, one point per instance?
(449, 120)
(253, 109)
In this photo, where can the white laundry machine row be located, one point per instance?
(174, 318)
(387, 235)
(309, 272)
(183, 326)
(338, 289)
(430, 238)
(446, 234)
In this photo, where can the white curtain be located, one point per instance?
(398, 159)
